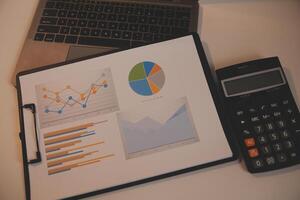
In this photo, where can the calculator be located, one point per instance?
(262, 112)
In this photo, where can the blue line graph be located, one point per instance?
(79, 97)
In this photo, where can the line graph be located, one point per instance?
(77, 98)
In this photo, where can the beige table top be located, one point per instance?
(232, 31)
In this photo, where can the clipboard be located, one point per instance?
(105, 119)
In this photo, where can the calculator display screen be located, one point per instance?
(253, 82)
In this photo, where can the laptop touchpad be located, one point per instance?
(80, 51)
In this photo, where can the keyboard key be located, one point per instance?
(50, 4)
(92, 24)
(50, 12)
(48, 29)
(127, 35)
(116, 34)
(137, 36)
(62, 13)
(72, 22)
(64, 30)
(112, 25)
(133, 27)
(132, 19)
(123, 26)
(72, 14)
(84, 31)
(148, 37)
(104, 42)
(92, 15)
(82, 23)
(62, 21)
(82, 15)
(106, 33)
(75, 31)
(102, 24)
(95, 32)
(49, 20)
(39, 36)
(71, 39)
(59, 38)
(49, 38)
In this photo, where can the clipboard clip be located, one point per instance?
(38, 158)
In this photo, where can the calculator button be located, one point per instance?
(273, 136)
(270, 160)
(293, 120)
(266, 150)
(289, 111)
(263, 107)
(257, 163)
(288, 144)
(293, 155)
(285, 134)
(239, 113)
(252, 110)
(255, 119)
(285, 102)
(253, 153)
(242, 122)
(281, 157)
(258, 129)
(277, 114)
(249, 142)
(262, 139)
(266, 116)
(277, 147)
(274, 105)
(270, 126)
(280, 124)
(246, 132)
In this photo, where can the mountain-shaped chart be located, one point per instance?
(148, 134)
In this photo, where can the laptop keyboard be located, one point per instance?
(112, 24)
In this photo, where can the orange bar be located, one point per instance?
(71, 158)
(63, 138)
(69, 167)
(58, 147)
(49, 156)
(59, 132)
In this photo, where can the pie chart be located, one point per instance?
(146, 78)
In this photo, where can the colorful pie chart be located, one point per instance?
(146, 78)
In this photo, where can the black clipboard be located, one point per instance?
(215, 95)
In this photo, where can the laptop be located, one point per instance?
(68, 29)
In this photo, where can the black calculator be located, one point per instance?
(263, 113)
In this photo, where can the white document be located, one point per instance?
(120, 118)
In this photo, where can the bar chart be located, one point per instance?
(73, 147)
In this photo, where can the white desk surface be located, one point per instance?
(233, 31)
